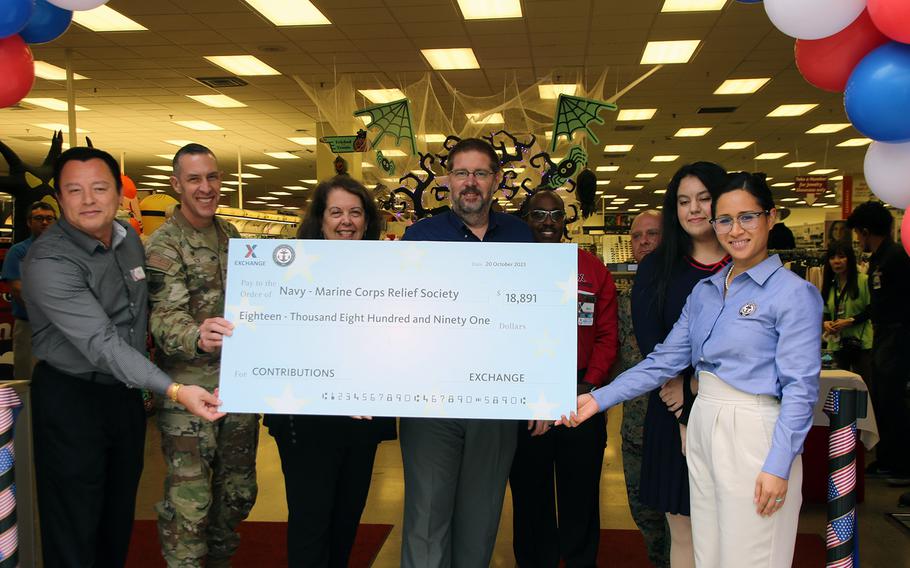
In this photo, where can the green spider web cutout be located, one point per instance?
(576, 113)
(392, 118)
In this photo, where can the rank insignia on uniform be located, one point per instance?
(747, 310)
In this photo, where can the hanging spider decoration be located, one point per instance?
(416, 195)
(508, 189)
(557, 175)
(385, 164)
(521, 148)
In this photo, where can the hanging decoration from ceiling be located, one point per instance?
(559, 174)
(576, 113)
(28, 184)
(423, 183)
(385, 164)
(392, 118)
(586, 191)
(348, 144)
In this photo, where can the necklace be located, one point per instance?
(728, 279)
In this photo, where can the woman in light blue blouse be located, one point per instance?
(753, 334)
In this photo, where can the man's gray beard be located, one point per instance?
(474, 218)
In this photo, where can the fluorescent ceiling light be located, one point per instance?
(799, 164)
(494, 118)
(230, 182)
(791, 110)
(314, 181)
(289, 12)
(801, 202)
(50, 72)
(837, 178)
(60, 126)
(771, 156)
(454, 58)
(618, 148)
(822, 172)
(741, 86)
(598, 193)
(819, 204)
(198, 125)
(828, 128)
(275, 205)
(242, 65)
(281, 193)
(434, 138)
(489, 9)
(268, 198)
(180, 143)
(393, 153)
(162, 168)
(790, 199)
(381, 96)
(247, 176)
(607, 168)
(693, 5)
(553, 91)
(168, 157)
(294, 187)
(783, 184)
(228, 189)
(660, 191)
(646, 176)
(664, 52)
(262, 166)
(256, 202)
(692, 132)
(154, 184)
(830, 206)
(669, 158)
(855, 142)
(304, 140)
(217, 101)
(52, 104)
(636, 114)
(106, 19)
(611, 208)
(156, 176)
(634, 187)
(735, 145)
(641, 205)
(366, 165)
(603, 182)
(282, 155)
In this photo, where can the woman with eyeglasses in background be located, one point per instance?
(847, 329)
(753, 334)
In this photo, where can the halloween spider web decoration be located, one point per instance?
(392, 118)
(576, 113)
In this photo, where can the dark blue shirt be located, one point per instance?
(449, 227)
(12, 271)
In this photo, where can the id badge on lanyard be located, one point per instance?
(586, 301)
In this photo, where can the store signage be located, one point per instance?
(347, 144)
(811, 184)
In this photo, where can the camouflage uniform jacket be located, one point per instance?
(186, 281)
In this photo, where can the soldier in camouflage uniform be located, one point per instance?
(645, 233)
(210, 485)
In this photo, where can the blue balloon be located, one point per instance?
(48, 22)
(14, 15)
(877, 97)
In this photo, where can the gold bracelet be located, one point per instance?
(175, 388)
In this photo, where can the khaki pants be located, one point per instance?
(23, 362)
(728, 439)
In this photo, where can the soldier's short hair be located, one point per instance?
(191, 149)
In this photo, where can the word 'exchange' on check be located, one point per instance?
(418, 329)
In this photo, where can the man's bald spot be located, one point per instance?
(545, 192)
(647, 213)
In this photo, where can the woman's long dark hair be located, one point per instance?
(311, 225)
(852, 288)
(676, 244)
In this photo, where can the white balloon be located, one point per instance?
(77, 5)
(813, 19)
(887, 170)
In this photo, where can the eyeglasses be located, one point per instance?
(43, 218)
(748, 221)
(479, 175)
(540, 215)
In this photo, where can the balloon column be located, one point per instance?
(860, 48)
(24, 22)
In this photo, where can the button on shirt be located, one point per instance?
(764, 338)
(88, 305)
(449, 227)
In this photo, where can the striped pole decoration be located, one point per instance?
(841, 408)
(9, 535)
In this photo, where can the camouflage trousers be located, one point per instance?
(210, 486)
(651, 523)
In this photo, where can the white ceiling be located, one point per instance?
(139, 80)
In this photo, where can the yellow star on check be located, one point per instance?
(543, 408)
(546, 345)
(301, 265)
(412, 256)
(244, 306)
(287, 403)
(569, 289)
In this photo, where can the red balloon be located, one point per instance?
(892, 17)
(18, 69)
(905, 231)
(827, 63)
(129, 188)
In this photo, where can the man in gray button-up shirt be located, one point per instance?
(85, 290)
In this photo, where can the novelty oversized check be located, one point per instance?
(426, 329)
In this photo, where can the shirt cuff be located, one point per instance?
(779, 462)
(605, 397)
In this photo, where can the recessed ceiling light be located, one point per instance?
(646, 176)
(822, 172)
(660, 191)
(228, 189)
(51, 72)
(291, 208)
(154, 184)
(314, 181)
(837, 178)
(611, 208)
(275, 205)
(607, 168)
(281, 193)
(217, 101)
(828, 128)
(819, 204)
(735, 145)
(693, 5)
(180, 143)
(801, 202)
(489, 9)
(618, 148)
(106, 19)
(628, 114)
(247, 176)
(494, 118)
(799, 164)
(791, 110)
(198, 125)
(553, 91)
(598, 193)
(741, 86)
(243, 65)
(282, 155)
(304, 140)
(782, 184)
(230, 182)
(168, 157)
(262, 166)
(256, 202)
(156, 176)
(634, 187)
(665, 52)
(393, 153)
(771, 156)
(603, 182)
(381, 96)
(268, 198)
(289, 12)
(641, 204)
(692, 132)
(453, 58)
(52, 104)
(59, 126)
(162, 168)
(668, 158)
(294, 187)
(433, 138)
(855, 142)
(789, 199)
(366, 165)
(830, 206)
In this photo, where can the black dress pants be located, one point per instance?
(575, 455)
(89, 445)
(327, 484)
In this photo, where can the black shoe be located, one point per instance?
(898, 481)
(876, 469)
(904, 500)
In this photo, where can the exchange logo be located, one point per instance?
(283, 255)
(250, 251)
